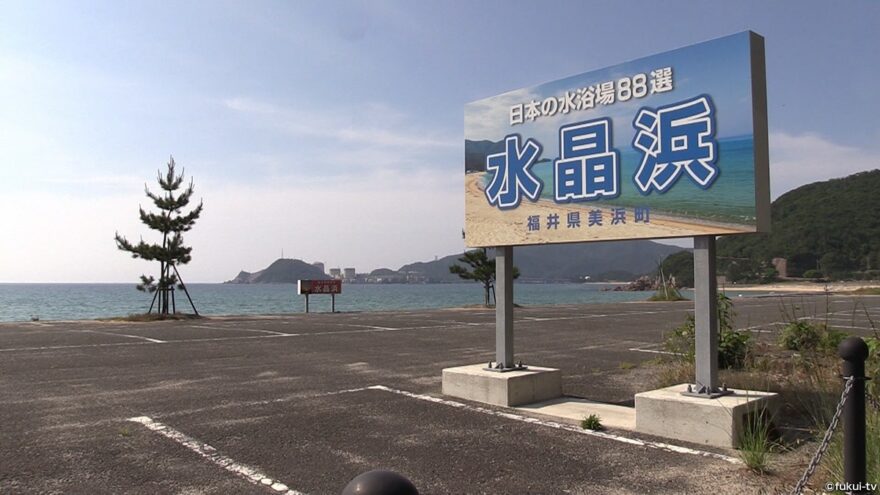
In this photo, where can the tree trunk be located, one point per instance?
(486, 289)
(162, 276)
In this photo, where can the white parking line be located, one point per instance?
(254, 403)
(653, 351)
(255, 330)
(210, 453)
(560, 426)
(148, 339)
(80, 346)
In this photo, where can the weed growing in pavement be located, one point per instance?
(592, 422)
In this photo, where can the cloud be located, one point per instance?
(798, 159)
(375, 125)
(489, 118)
(385, 219)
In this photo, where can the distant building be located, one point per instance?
(319, 264)
(336, 273)
(781, 266)
(349, 274)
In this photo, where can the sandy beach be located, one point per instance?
(807, 287)
(488, 226)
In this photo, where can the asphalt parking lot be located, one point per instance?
(303, 403)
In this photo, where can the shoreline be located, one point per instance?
(777, 289)
(836, 288)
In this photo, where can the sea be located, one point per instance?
(47, 302)
(732, 197)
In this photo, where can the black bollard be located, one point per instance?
(854, 352)
(380, 482)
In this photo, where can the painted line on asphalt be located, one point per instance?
(653, 351)
(762, 327)
(272, 335)
(254, 330)
(249, 473)
(148, 339)
(80, 346)
(560, 426)
(286, 398)
(371, 327)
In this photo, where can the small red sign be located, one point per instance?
(319, 287)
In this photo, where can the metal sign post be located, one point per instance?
(504, 311)
(705, 319)
(504, 307)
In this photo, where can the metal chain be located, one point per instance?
(826, 440)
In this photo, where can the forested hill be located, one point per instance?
(618, 260)
(831, 226)
(282, 271)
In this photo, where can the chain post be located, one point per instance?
(826, 440)
(854, 352)
(851, 406)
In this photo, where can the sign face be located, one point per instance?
(319, 287)
(672, 145)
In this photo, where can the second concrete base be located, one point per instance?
(719, 422)
(510, 388)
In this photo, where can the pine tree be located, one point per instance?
(482, 269)
(171, 223)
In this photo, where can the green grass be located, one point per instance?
(833, 460)
(592, 422)
(625, 365)
(755, 442)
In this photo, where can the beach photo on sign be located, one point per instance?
(657, 147)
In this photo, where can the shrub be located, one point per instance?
(803, 336)
(831, 339)
(800, 335)
(592, 422)
(681, 339)
(813, 274)
(734, 346)
(769, 275)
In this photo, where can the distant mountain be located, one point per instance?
(620, 260)
(567, 262)
(434, 271)
(831, 226)
(378, 272)
(282, 271)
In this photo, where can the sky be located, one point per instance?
(333, 131)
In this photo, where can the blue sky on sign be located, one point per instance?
(334, 130)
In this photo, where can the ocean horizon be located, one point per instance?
(85, 301)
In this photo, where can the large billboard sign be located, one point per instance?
(671, 145)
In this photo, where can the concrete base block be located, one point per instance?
(511, 388)
(718, 422)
